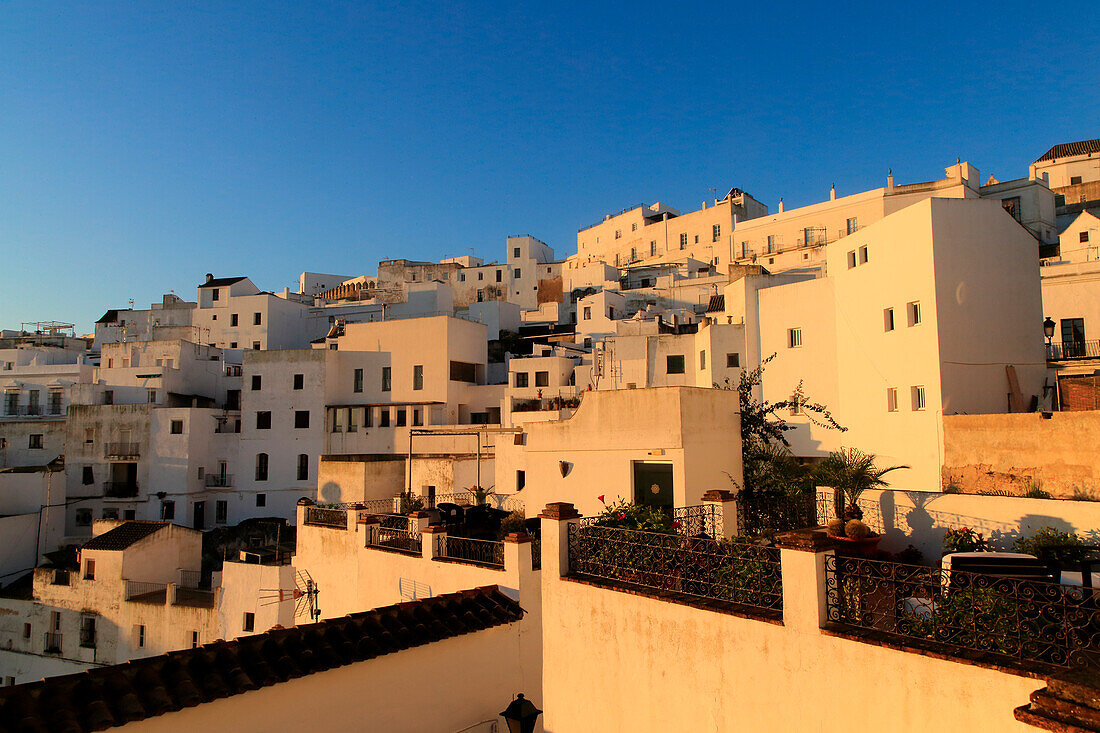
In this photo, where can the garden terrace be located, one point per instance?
(969, 614)
(393, 538)
(730, 571)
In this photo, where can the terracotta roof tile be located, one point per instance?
(111, 696)
(1066, 150)
(124, 535)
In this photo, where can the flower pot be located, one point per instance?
(865, 546)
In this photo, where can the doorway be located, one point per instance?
(653, 484)
(200, 515)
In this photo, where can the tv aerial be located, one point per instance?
(304, 594)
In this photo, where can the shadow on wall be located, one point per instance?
(331, 493)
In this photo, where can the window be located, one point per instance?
(151, 396)
(87, 631)
(9, 681)
(913, 310)
(515, 251)
(542, 379)
(194, 639)
(796, 404)
(301, 419)
(261, 500)
(733, 360)
(500, 276)
(853, 225)
(683, 240)
(674, 364)
(891, 399)
(26, 631)
(618, 234)
(263, 420)
(384, 417)
(89, 478)
(418, 376)
(794, 338)
(83, 518)
(168, 509)
(232, 319)
(140, 636)
(249, 623)
(256, 382)
(176, 427)
(400, 417)
(918, 398)
(863, 255)
(261, 467)
(1074, 180)
(337, 420)
(633, 253)
(634, 227)
(851, 259)
(303, 466)
(771, 243)
(481, 276)
(716, 232)
(521, 379)
(653, 248)
(611, 313)
(129, 514)
(331, 347)
(255, 319)
(215, 294)
(108, 397)
(462, 277)
(1073, 337)
(521, 480)
(299, 381)
(232, 344)
(516, 274)
(256, 345)
(34, 441)
(1012, 206)
(357, 381)
(110, 513)
(587, 342)
(386, 382)
(888, 319)
(588, 313)
(1084, 236)
(221, 511)
(32, 402)
(89, 569)
(417, 420)
(89, 436)
(353, 424)
(367, 417)
(702, 360)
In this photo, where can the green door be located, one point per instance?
(653, 484)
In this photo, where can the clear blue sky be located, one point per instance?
(144, 144)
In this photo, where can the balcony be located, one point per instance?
(51, 643)
(120, 489)
(122, 451)
(11, 410)
(1073, 350)
(218, 480)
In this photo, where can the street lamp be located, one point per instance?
(521, 715)
(1048, 329)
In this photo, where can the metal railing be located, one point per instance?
(696, 521)
(966, 612)
(1073, 350)
(122, 450)
(458, 497)
(479, 552)
(774, 511)
(536, 554)
(320, 517)
(120, 489)
(195, 580)
(726, 570)
(137, 590)
(51, 642)
(219, 480)
(402, 540)
(377, 506)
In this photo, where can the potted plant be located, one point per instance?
(850, 472)
(964, 540)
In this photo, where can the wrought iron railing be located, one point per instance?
(120, 489)
(320, 517)
(137, 590)
(536, 554)
(1073, 350)
(402, 540)
(479, 552)
(51, 642)
(219, 480)
(121, 450)
(774, 511)
(966, 612)
(458, 497)
(377, 506)
(726, 570)
(696, 521)
(195, 580)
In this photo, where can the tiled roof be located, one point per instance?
(110, 316)
(717, 303)
(105, 697)
(218, 282)
(1065, 150)
(124, 535)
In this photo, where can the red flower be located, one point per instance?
(622, 515)
(676, 525)
(600, 497)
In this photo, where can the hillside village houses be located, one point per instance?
(915, 312)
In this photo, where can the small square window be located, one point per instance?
(301, 419)
(176, 427)
(261, 499)
(913, 310)
(515, 251)
(733, 360)
(263, 420)
(34, 441)
(151, 396)
(794, 338)
(674, 364)
(918, 398)
(255, 345)
(249, 623)
(851, 259)
(587, 313)
(256, 319)
(384, 417)
(542, 379)
(516, 274)
(1074, 180)
(521, 379)
(83, 517)
(89, 569)
(863, 255)
(892, 399)
(299, 381)
(1084, 236)
(256, 382)
(232, 319)
(888, 319)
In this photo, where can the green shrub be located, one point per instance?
(628, 515)
(1052, 544)
(1035, 490)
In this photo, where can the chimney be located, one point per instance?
(889, 177)
(832, 193)
(780, 206)
(209, 276)
(704, 205)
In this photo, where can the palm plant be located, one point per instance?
(850, 472)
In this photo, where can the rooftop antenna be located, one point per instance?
(714, 194)
(131, 303)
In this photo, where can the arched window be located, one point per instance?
(303, 466)
(261, 467)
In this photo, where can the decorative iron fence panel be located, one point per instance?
(1029, 620)
(404, 540)
(320, 517)
(377, 506)
(479, 552)
(776, 511)
(696, 521)
(727, 570)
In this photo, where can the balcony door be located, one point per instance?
(200, 515)
(653, 484)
